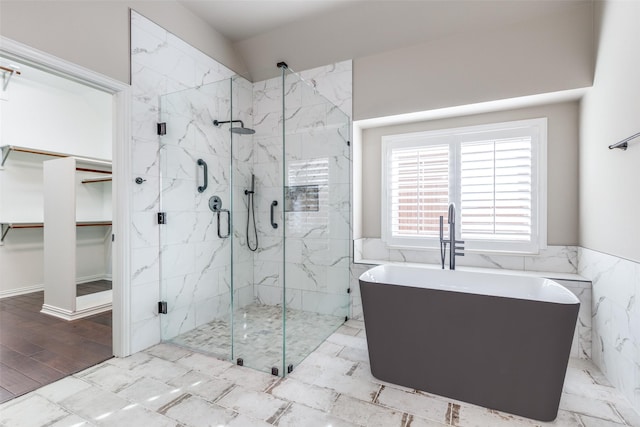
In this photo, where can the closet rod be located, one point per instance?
(93, 170)
(9, 226)
(624, 143)
(6, 149)
(9, 148)
(10, 70)
(6, 79)
(92, 180)
(93, 224)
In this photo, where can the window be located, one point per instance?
(493, 173)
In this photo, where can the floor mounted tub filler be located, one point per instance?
(494, 340)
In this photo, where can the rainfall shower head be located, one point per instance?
(239, 130)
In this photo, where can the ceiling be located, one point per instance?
(239, 20)
(311, 33)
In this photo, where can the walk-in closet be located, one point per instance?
(55, 218)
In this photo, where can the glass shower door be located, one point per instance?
(258, 307)
(254, 252)
(316, 176)
(195, 252)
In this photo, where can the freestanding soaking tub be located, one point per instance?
(494, 340)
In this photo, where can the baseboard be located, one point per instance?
(20, 291)
(92, 278)
(87, 305)
(40, 287)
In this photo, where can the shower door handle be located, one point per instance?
(204, 186)
(273, 205)
(224, 236)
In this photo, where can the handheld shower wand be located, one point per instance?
(251, 213)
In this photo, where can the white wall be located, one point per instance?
(562, 165)
(609, 192)
(537, 56)
(610, 195)
(95, 34)
(47, 112)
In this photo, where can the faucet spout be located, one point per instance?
(451, 215)
(454, 245)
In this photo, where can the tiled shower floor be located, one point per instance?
(258, 336)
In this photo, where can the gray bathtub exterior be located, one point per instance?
(500, 353)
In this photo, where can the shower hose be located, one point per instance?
(251, 213)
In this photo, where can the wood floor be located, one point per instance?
(37, 349)
(93, 287)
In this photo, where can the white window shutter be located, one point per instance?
(495, 175)
(418, 189)
(495, 189)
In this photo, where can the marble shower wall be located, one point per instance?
(163, 64)
(192, 256)
(242, 153)
(318, 167)
(195, 260)
(615, 319)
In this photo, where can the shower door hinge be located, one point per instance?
(349, 143)
(162, 218)
(162, 307)
(348, 290)
(162, 128)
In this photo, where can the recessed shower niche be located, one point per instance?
(284, 187)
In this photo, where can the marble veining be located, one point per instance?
(615, 319)
(177, 84)
(162, 64)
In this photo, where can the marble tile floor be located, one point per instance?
(167, 385)
(258, 336)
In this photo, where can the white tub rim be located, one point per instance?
(471, 282)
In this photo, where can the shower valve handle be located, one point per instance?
(273, 205)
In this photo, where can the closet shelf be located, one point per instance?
(6, 226)
(7, 149)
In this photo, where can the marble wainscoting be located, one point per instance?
(557, 259)
(161, 64)
(616, 319)
(581, 345)
(556, 262)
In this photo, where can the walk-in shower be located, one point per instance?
(263, 305)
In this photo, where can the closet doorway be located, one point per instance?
(56, 212)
